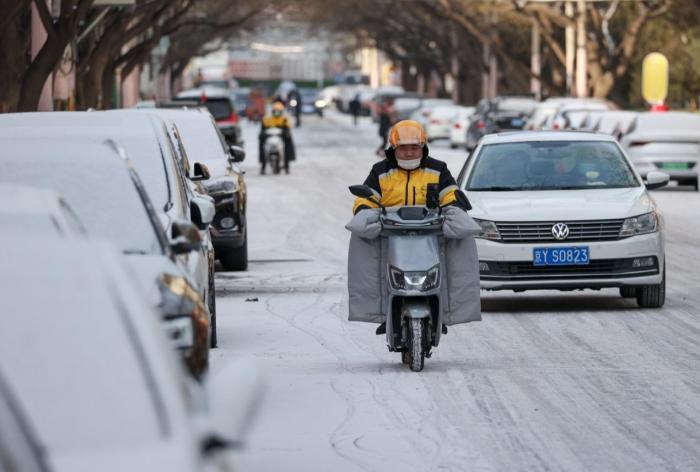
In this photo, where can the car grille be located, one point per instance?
(579, 231)
(602, 268)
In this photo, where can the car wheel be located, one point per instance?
(453, 146)
(235, 258)
(652, 296)
(628, 292)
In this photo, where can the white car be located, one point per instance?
(424, 112)
(458, 128)
(439, 122)
(669, 142)
(615, 122)
(563, 210)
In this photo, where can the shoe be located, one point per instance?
(381, 329)
(444, 329)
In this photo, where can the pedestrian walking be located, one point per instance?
(355, 108)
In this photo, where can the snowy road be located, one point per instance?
(548, 381)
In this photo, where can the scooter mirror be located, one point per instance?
(463, 200)
(362, 191)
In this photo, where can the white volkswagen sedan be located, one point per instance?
(566, 211)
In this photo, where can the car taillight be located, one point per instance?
(480, 124)
(234, 117)
(457, 126)
(556, 126)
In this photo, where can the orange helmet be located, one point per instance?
(407, 132)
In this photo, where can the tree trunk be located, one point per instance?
(108, 83)
(39, 70)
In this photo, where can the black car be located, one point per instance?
(498, 114)
(202, 142)
(219, 103)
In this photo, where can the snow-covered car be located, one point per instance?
(613, 122)
(219, 103)
(459, 125)
(144, 137)
(202, 143)
(439, 122)
(424, 113)
(110, 199)
(667, 142)
(571, 113)
(87, 380)
(566, 211)
(31, 210)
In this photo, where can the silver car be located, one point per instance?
(667, 142)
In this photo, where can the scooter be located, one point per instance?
(274, 148)
(414, 256)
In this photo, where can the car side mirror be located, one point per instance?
(185, 237)
(235, 393)
(201, 172)
(237, 154)
(656, 180)
(202, 211)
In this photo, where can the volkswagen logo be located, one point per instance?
(560, 231)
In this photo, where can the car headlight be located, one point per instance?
(220, 185)
(416, 280)
(643, 224)
(489, 230)
(320, 103)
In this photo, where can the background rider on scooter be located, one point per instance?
(276, 120)
(402, 178)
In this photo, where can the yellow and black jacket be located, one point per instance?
(395, 186)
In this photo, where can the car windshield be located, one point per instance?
(101, 193)
(200, 139)
(550, 165)
(220, 109)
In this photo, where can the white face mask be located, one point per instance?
(408, 164)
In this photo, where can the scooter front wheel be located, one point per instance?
(415, 347)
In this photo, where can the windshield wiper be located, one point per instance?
(134, 251)
(497, 189)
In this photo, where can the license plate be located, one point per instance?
(674, 165)
(543, 256)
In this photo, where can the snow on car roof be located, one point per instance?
(16, 198)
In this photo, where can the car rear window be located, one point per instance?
(219, 108)
(550, 165)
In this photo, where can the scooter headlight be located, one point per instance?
(416, 280)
